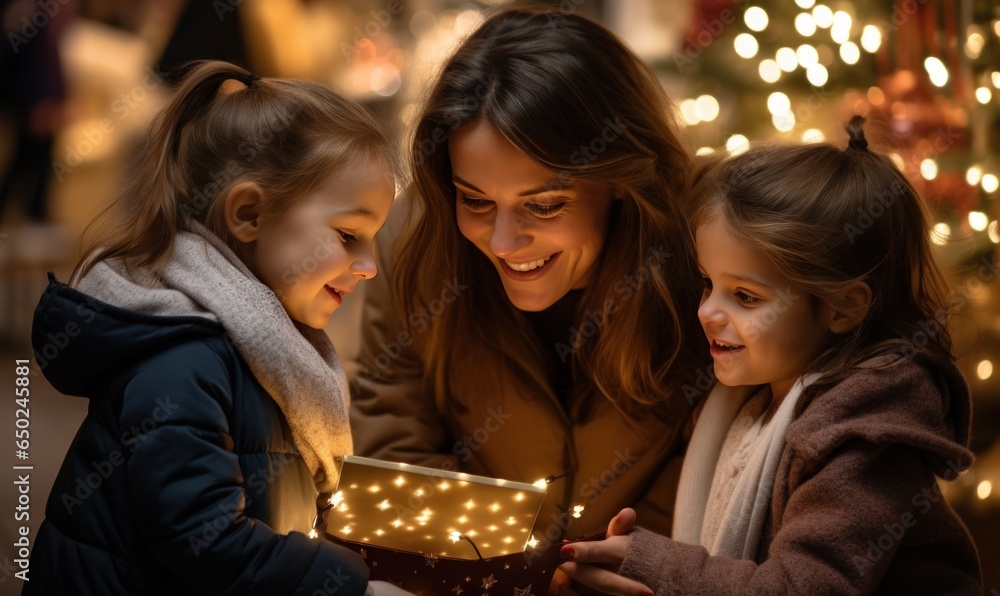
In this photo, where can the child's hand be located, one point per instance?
(385, 589)
(590, 561)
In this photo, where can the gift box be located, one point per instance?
(434, 532)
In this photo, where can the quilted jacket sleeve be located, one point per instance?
(185, 482)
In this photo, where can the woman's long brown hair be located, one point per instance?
(553, 84)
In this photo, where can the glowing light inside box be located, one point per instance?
(455, 512)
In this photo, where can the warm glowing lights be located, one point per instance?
(813, 135)
(463, 520)
(783, 122)
(778, 103)
(337, 498)
(399, 481)
(994, 234)
(817, 75)
(973, 175)
(786, 59)
(532, 542)
(840, 29)
(937, 71)
(806, 55)
(871, 38)
(540, 483)
(940, 234)
(974, 45)
(519, 497)
(984, 95)
(706, 108)
(805, 24)
(755, 18)
(929, 169)
(345, 530)
(313, 533)
(454, 536)
(876, 96)
(495, 507)
(746, 45)
(379, 532)
(384, 505)
(689, 113)
(995, 79)
(737, 144)
(805, 4)
(984, 489)
(511, 521)
(770, 72)
(396, 523)
(897, 159)
(850, 53)
(704, 151)
(823, 16)
(978, 220)
(444, 485)
(577, 511)
(470, 504)
(990, 183)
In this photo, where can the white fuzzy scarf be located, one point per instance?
(742, 526)
(295, 364)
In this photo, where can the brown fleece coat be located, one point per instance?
(856, 507)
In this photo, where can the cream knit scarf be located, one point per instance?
(742, 526)
(295, 364)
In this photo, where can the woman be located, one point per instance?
(535, 318)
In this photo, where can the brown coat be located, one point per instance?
(856, 507)
(509, 423)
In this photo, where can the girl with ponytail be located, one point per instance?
(814, 463)
(194, 325)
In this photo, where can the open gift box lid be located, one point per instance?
(435, 532)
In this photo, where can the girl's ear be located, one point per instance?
(242, 211)
(846, 311)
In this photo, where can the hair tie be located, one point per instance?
(249, 79)
(858, 143)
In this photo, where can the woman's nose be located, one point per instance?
(507, 237)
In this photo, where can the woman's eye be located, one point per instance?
(346, 237)
(476, 205)
(745, 298)
(545, 210)
(706, 284)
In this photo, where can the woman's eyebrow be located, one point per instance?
(547, 186)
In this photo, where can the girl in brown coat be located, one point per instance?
(813, 466)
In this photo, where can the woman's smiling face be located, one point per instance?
(543, 236)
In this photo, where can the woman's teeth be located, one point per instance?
(526, 266)
(725, 345)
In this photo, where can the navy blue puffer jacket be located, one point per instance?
(183, 478)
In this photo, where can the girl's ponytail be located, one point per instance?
(151, 206)
(283, 135)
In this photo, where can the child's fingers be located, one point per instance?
(623, 523)
(607, 552)
(560, 581)
(604, 581)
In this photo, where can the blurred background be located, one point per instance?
(81, 79)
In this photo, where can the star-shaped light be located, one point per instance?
(457, 590)
(523, 591)
(488, 582)
(430, 560)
